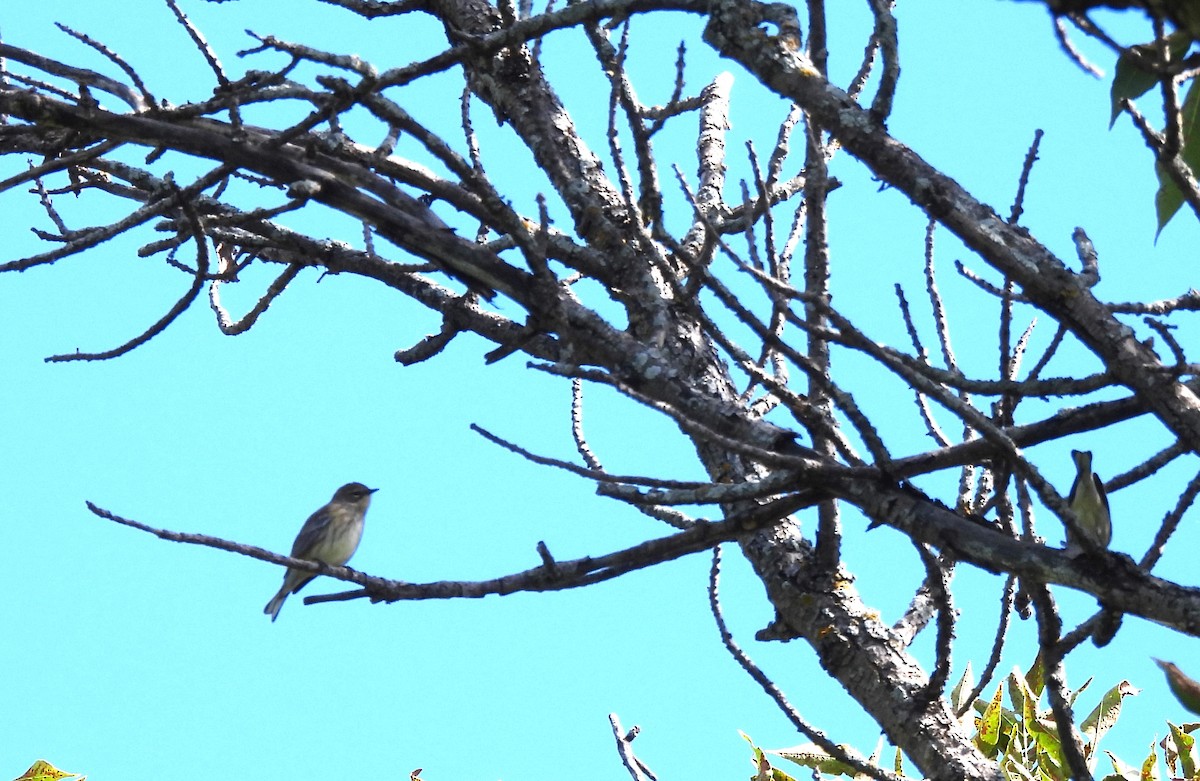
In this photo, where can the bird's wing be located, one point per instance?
(1100, 490)
(310, 533)
(1075, 489)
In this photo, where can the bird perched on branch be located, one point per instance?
(1089, 503)
(330, 536)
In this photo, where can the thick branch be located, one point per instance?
(735, 30)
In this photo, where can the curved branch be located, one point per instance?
(549, 576)
(182, 304)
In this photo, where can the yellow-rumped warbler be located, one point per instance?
(1089, 503)
(330, 536)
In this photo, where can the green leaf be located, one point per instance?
(1149, 770)
(1167, 200)
(1169, 197)
(1013, 769)
(1036, 677)
(44, 771)
(1132, 81)
(988, 726)
(1105, 715)
(758, 754)
(1045, 735)
(958, 695)
(1018, 690)
(763, 771)
(1072, 696)
(1121, 771)
(1129, 81)
(813, 757)
(1184, 748)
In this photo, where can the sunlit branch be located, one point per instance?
(201, 276)
(231, 327)
(561, 575)
(931, 424)
(638, 770)
(985, 678)
(774, 692)
(938, 573)
(1049, 629)
(133, 97)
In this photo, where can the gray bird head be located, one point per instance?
(353, 493)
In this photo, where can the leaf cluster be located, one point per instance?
(1016, 730)
(1023, 736)
(1164, 63)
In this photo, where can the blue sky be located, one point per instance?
(134, 656)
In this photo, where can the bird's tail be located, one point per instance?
(276, 604)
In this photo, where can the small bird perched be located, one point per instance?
(330, 536)
(1089, 503)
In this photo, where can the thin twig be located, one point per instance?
(789, 711)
